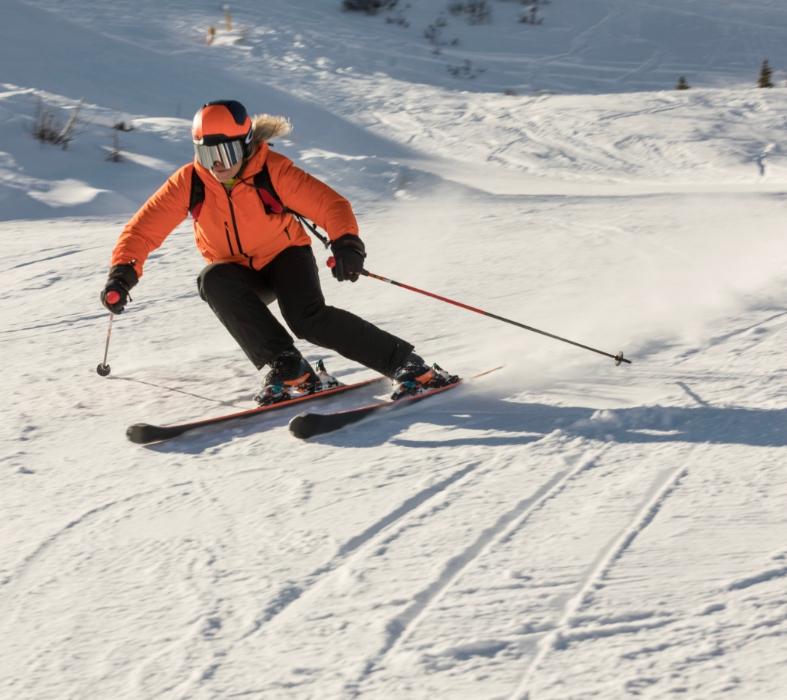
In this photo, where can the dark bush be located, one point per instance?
(476, 11)
(766, 73)
(370, 7)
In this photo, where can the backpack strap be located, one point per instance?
(197, 194)
(272, 203)
(267, 193)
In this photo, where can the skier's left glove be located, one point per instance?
(121, 279)
(349, 253)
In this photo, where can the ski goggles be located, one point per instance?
(228, 153)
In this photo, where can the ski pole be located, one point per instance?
(103, 368)
(618, 358)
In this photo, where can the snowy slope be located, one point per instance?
(564, 529)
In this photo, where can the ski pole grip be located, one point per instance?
(331, 262)
(113, 297)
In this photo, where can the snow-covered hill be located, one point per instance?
(562, 529)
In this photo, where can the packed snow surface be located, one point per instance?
(561, 529)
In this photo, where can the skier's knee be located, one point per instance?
(210, 279)
(306, 325)
(302, 328)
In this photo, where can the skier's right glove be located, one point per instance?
(121, 279)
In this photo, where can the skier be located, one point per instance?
(257, 251)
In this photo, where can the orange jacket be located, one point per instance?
(232, 225)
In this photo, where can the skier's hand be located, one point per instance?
(349, 253)
(121, 279)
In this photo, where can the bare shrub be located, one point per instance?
(531, 17)
(114, 153)
(434, 35)
(370, 7)
(475, 11)
(465, 70)
(48, 127)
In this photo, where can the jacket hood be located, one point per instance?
(267, 126)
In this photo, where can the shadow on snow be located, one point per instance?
(491, 421)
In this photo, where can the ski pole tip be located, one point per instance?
(619, 359)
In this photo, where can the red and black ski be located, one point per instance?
(306, 425)
(144, 433)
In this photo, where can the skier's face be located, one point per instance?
(223, 174)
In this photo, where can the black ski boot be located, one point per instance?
(289, 371)
(414, 376)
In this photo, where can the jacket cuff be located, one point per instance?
(349, 240)
(124, 274)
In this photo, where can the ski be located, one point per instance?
(144, 433)
(306, 425)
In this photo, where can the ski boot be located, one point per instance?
(415, 376)
(289, 371)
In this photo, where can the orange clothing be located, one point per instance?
(232, 226)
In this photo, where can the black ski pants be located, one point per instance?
(239, 297)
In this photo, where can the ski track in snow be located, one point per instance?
(55, 256)
(763, 577)
(294, 592)
(566, 628)
(85, 518)
(297, 592)
(398, 629)
(392, 527)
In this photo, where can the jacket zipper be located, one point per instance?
(235, 228)
(229, 240)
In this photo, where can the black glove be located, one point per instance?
(121, 279)
(349, 253)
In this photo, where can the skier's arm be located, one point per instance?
(154, 221)
(312, 198)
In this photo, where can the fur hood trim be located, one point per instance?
(266, 127)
